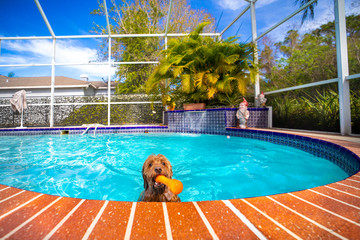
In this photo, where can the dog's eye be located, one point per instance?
(163, 164)
(150, 165)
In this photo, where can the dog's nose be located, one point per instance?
(158, 169)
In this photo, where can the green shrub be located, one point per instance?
(318, 112)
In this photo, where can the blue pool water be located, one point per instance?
(108, 166)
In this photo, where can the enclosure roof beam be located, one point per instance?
(25, 38)
(107, 18)
(168, 18)
(74, 63)
(285, 19)
(45, 18)
(242, 13)
(106, 36)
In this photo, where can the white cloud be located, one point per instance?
(70, 51)
(263, 3)
(67, 51)
(352, 7)
(232, 4)
(12, 59)
(237, 4)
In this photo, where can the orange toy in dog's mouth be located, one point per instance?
(158, 185)
(174, 185)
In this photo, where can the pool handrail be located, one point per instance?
(96, 125)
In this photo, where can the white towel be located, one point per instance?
(18, 102)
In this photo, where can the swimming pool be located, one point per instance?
(108, 166)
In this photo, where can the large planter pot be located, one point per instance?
(194, 106)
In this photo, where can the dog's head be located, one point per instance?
(153, 166)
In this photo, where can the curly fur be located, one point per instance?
(157, 192)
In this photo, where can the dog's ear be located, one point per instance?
(146, 184)
(171, 172)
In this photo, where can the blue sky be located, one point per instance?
(72, 17)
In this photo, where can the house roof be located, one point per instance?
(103, 85)
(45, 82)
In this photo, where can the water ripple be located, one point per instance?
(109, 166)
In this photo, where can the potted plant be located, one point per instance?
(194, 100)
(170, 103)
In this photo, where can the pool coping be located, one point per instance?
(330, 211)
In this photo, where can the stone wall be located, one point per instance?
(38, 113)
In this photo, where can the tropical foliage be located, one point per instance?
(317, 112)
(143, 17)
(311, 57)
(200, 67)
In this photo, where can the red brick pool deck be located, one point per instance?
(326, 212)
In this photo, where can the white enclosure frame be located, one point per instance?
(341, 53)
(341, 48)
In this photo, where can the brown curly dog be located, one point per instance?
(153, 191)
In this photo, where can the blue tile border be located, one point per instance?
(220, 109)
(339, 155)
(80, 130)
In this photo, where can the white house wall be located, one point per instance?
(72, 92)
(104, 92)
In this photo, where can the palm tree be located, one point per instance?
(202, 66)
(309, 11)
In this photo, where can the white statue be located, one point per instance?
(261, 100)
(243, 114)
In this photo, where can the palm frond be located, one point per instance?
(309, 11)
(186, 83)
(211, 92)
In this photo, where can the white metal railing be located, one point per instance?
(106, 36)
(96, 125)
(354, 76)
(285, 19)
(234, 21)
(71, 64)
(334, 80)
(82, 103)
(44, 18)
(314, 84)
